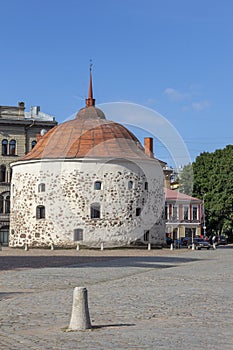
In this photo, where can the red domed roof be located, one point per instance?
(88, 135)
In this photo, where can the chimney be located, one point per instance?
(148, 146)
(21, 108)
(21, 105)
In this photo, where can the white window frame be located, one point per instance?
(195, 206)
(188, 207)
(177, 212)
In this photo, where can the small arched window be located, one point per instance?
(2, 173)
(33, 143)
(41, 187)
(138, 211)
(97, 185)
(95, 211)
(12, 147)
(40, 212)
(130, 185)
(1, 204)
(7, 204)
(4, 147)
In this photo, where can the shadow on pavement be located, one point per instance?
(116, 325)
(32, 262)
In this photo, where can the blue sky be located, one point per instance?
(172, 56)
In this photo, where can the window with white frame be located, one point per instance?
(186, 212)
(95, 211)
(195, 212)
(175, 212)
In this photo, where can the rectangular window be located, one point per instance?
(138, 211)
(186, 212)
(95, 211)
(40, 212)
(97, 185)
(130, 185)
(175, 213)
(78, 234)
(146, 235)
(195, 213)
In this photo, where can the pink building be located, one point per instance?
(183, 215)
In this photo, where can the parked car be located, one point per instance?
(200, 243)
(186, 241)
(221, 240)
(182, 242)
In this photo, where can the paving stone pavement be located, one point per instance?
(138, 299)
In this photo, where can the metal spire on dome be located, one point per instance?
(90, 101)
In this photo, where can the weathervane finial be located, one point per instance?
(91, 64)
(90, 101)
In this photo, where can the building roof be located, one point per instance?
(88, 135)
(178, 196)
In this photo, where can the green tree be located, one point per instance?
(186, 180)
(213, 180)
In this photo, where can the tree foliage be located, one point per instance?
(213, 181)
(186, 180)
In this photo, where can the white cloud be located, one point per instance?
(151, 101)
(201, 105)
(175, 95)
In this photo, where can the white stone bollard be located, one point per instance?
(149, 246)
(26, 247)
(214, 246)
(80, 318)
(193, 246)
(77, 248)
(171, 246)
(101, 246)
(52, 246)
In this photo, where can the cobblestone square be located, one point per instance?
(138, 299)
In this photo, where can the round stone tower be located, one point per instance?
(87, 181)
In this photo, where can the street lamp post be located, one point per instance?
(204, 226)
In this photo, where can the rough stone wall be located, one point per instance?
(69, 193)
